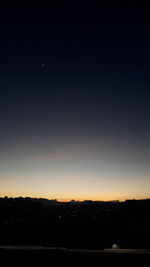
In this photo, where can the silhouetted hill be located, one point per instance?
(80, 225)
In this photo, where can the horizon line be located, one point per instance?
(75, 200)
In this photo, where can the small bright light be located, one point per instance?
(115, 246)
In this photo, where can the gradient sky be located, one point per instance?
(75, 102)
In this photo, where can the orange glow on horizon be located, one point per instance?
(121, 199)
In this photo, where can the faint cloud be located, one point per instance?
(68, 152)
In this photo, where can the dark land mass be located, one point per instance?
(92, 225)
(32, 256)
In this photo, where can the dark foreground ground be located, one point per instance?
(75, 225)
(32, 256)
(39, 232)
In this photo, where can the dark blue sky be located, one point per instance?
(89, 101)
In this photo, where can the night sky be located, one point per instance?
(75, 102)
